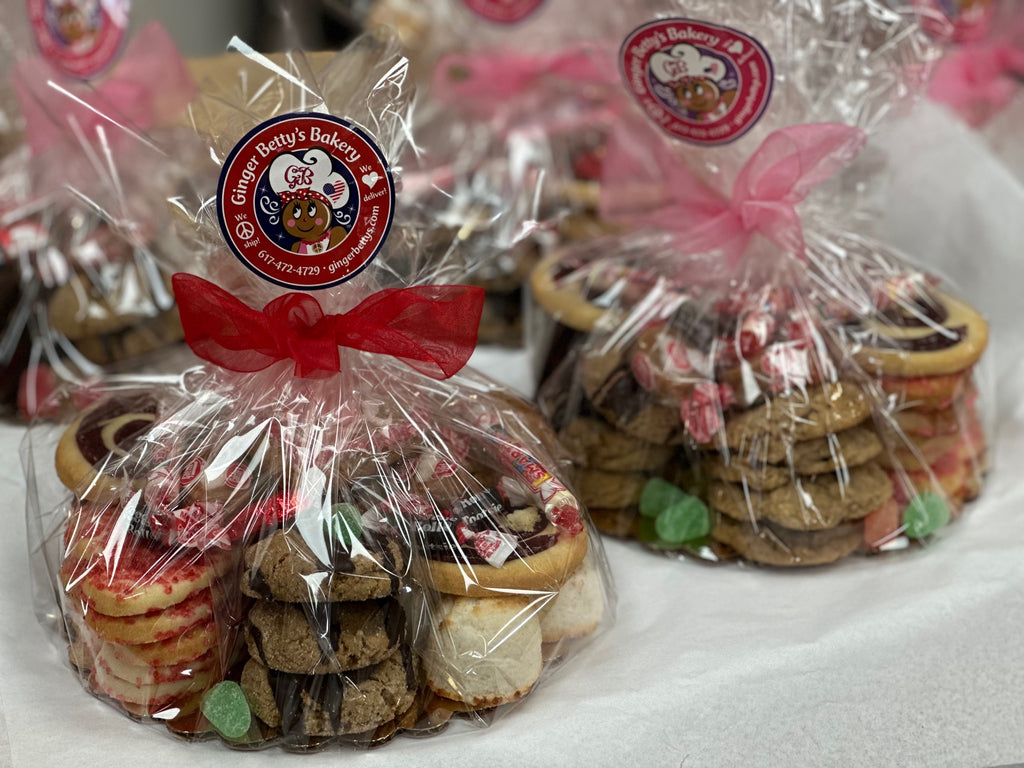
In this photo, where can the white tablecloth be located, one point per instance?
(908, 660)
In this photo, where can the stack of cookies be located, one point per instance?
(792, 480)
(222, 572)
(922, 346)
(617, 432)
(505, 563)
(723, 426)
(113, 304)
(144, 623)
(326, 636)
(619, 438)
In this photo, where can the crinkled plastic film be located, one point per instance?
(312, 545)
(86, 237)
(493, 96)
(787, 411)
(554, 92)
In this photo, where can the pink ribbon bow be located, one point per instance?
(482, 83)
(779, 175)
(149, 86)
(978, 80)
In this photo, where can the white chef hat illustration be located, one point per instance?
(308, 174)
(685, 60)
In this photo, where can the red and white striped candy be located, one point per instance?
(788, 366)
(162, 488)
(701, 413)
(541, 483)
(641, 366)
(755, 330)
(463, 533)
(191, 471)
(198, 525)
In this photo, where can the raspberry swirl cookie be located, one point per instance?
(90, 447)
(919, 332)
(510, 526)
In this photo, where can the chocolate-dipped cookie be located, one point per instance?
(317, 638)
(283, 567)
(333, 704)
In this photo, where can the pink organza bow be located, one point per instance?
(150, 85)
(978, 80)
(483, 82)
(640, 189)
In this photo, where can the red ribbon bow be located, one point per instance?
(779, 175)
(431, 328)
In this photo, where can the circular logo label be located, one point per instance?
(305, 200)
(503, 11)
(79, 37)
(699, 82)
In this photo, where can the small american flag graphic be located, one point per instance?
(337, 191)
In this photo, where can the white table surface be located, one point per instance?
(915, 659)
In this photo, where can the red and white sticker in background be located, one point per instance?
(79, 37)
(503, 11)
(306, 200)
(957, 21)
(699, 82)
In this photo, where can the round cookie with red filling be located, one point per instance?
(88, 452)
(919, 331)
(923, 344)
(489, 541)
(579, 288)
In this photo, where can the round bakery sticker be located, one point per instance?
(306, 200)
(79, 37)
(699, 82)
(503, 11)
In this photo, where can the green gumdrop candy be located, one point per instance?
(659, 495)
(926, 513)
(346, 523)
(685, 520)
(225, 707)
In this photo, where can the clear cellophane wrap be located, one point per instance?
(548, 92)
(85, 231)
(736, 381)
(492, 95)
(308, 545)
(785, 410)
(854, 63)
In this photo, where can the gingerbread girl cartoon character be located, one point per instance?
(696, 79)
(310, 191)
(76, 21)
